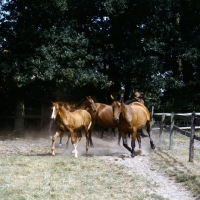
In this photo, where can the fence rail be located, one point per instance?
(170, 118)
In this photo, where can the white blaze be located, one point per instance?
(53, 116)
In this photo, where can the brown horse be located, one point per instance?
(130, 119)
(103, 116)
(71, 122)
(85, 104)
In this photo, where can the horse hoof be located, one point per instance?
(132, 155)
(75, 151)
(152, 145)
(60, 145)
(53, 154)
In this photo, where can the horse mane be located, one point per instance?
(127, 102)
(82, 100)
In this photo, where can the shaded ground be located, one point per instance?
(107, 149)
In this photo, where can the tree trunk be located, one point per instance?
(19, 113)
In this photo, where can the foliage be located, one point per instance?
(103, 47)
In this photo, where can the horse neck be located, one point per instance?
(63, 113)
(98, 106)
(80, 106)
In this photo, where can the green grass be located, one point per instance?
(59, 177)
(174, 163)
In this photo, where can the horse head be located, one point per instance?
(91, 103)
(116, 106)
(55, 108)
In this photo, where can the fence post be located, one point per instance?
(171, 132)
(191, 148)
(161, 128)
(152, 119)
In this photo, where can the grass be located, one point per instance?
(175, 163)
(59, 177)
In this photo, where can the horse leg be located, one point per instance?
(68, 140)
(151, 141)
(87, 135)
(133, 147)
(139, 140)
(125, 143)
(113, 129)
(53, 141)
(73, 142)
(60, 144)
(142, 133)
(134, 136)
(90, 136)
(119, 138)
(79, 136)
(102, 132)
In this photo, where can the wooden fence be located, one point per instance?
(167, 121)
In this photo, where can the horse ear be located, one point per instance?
(111, 96)
(60, 104)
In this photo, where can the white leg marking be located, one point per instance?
(89, 125)
(75, 151)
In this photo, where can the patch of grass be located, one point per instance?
(175, 163)
(38, 177)
(183, 172)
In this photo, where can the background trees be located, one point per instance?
(62, 49)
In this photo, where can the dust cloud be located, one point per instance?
(106, 146)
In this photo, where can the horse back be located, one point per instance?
(104, 116)
(141, 109)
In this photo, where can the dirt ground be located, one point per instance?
(107, 149)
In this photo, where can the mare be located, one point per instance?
(103, 116)
(85, 104)
(71, 122)
(130, 119)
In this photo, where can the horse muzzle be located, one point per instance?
(116, 120)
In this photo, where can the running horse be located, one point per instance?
(104, 117)
(71, 122)
(130, 119)
(86, 104)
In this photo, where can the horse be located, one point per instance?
(130, 119)
(86, 104)
(104, 117)
(71, 122)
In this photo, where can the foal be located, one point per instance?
(85, 104)
(71, 122)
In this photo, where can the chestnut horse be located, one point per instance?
(71, 122)
(85, 104)
(103, 116)
(130, 119)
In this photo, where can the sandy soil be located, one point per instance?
(107, 149)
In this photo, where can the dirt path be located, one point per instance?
(106, 149)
